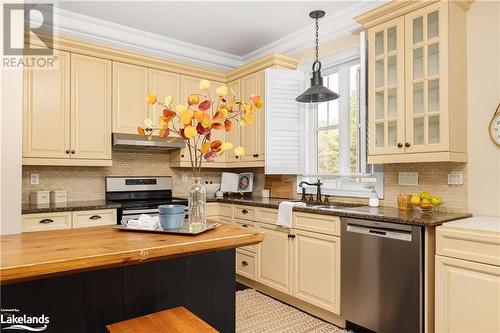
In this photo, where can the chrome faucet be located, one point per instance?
(318, 189)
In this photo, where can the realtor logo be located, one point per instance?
(10, 319)
(28, 35)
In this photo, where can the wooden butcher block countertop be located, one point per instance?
(35, 255)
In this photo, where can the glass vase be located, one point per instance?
(196, 205)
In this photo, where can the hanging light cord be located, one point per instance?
(317, 38)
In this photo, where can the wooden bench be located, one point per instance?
(176, 320)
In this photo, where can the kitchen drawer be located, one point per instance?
(324, 224)
(246, 263)
(45, 221)
(93, 218)
(226, 210)
(244, 212)
(211, 209)
(467, 244)
(246, 224)
(266, 215)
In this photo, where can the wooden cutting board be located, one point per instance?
(281, 189)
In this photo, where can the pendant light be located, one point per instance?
(317, 93)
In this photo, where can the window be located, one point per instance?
(335, 132)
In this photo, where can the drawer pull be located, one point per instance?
(291, 236)
(244, 226)
(255, 155)
(46, 221)
(244, 211)
(95, 217)
(244, 263)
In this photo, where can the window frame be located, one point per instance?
(344, 182)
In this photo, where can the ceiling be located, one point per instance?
(237, 27)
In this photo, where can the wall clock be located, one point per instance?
(495, 127)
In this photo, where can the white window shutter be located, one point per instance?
(284, 132)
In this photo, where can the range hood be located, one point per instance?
(141, 143)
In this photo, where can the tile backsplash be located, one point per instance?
(87, 183)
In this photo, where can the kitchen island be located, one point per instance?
(83, 279)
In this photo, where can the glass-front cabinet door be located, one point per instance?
(386, 88)
(426, 70)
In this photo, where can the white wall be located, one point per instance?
(483, 52)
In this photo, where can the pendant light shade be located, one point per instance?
(317, 92)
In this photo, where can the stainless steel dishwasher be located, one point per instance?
(381, 276)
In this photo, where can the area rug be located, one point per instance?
(258, 313)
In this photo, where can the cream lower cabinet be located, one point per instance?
(467, 296)
(67, 220)
(316, 269)
(67, 113)
(274, 258)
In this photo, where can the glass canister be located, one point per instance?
(196, 205)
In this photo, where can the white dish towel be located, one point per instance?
(145, 222)
(285, 212)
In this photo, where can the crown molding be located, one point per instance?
(90, 29)
(331, 27)
(117, 35)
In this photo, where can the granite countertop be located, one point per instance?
(68, 206)
(383, 214)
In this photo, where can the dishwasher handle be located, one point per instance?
(380, 232)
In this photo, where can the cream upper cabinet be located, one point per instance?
(275, 259)
(90, 107)
(252, 135)
(386, 82)
(316, 269)
(467, 296)
(130, 88)
(234, 135)
(417, 84)
(46, 118)
(163, 84)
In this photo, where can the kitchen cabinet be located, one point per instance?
(316, 269)
(163, 84)
(252, 135)
(274, 258)
(93, 218)
(417, 83)
(130, 88)
(234, 135)
(67, 113)
(90, 107)
(467, 266)
(46, 120)
(45, 221)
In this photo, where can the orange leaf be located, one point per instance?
(228, 124)
(217, 126)
(140, 131)
(164, 132)
(218, 116)
(215, 145)
(168, 114)
(205, 147)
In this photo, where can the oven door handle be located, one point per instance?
(140, 211)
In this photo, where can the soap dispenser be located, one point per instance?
(373, 201)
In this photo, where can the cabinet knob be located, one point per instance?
(255, 155)
(400, 145)
(95, 217)
(244, 263)
(182, 155)
(46, 221)
(407, 144)
(237, 156)
(67, 151)
(244, 211)
(244, 226)
(72, 151)
(291, 236)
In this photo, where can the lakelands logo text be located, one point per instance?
(10, 320)
(28, 35)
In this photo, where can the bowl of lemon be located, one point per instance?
(425, 202)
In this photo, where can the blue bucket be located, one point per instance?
(171, 216)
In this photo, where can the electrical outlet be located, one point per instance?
(35, 179)
(455, 178)
(408, 178)
(184, 178)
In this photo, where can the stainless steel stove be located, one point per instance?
(140, 195)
